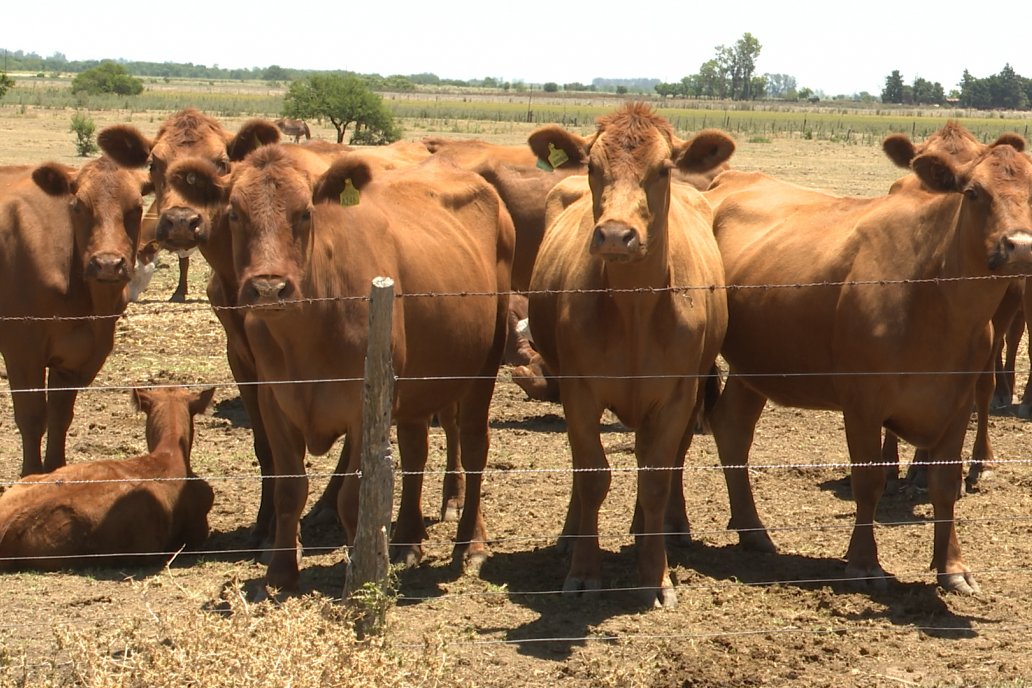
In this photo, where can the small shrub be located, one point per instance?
(758, 139)
(84, 128)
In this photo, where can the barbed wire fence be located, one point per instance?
(549, 538)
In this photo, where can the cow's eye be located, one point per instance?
(233, 215)
(222, 166)
(972, 193)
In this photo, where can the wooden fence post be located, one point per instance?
(367, 584)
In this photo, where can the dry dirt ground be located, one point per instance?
(742, 618)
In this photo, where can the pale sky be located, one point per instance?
(824, 46)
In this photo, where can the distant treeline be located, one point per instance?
(20, 61)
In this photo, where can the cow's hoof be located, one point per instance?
(868, 578)
(451, 512)
(1025, 411)
(756, 541)
(469, 562)
(320, 516)
(406, 555)
(660, 598)
(574, 586)
(177, 298)
(962, 583)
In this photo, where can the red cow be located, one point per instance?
(185, 227)
(289, 245)
(895, 295)
(69, 242)
(152, 504)
(610, 318)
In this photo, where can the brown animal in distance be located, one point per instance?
(107, 512)
(293, 127)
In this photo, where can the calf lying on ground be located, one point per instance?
(105, 512)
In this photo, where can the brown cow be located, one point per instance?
(133, 510)
(895, 296)
(293, 127)
(288, 245)
(69, 245)
(184, 227)
(610, 319)
(187, 133)
(956, 143)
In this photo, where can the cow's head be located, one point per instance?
(170, 413)
(629, 160)
(953, 141)
(266, 204)
(105, 205)
(996, 208)
(186, 134)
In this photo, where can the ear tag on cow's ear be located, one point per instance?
(350, 195)
(544, 165)
(557, 157)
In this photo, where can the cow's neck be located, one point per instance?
(174, 444)
(964, 259)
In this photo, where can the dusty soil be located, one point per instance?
(742, 618)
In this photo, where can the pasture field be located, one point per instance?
(743, 618)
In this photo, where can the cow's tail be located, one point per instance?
(710, 393)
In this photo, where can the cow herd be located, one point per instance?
(644, 258)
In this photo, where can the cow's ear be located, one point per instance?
(899, 149)
(707, 149)
(936, 172)
(54, 178)
(347, 176)
(200, 400)
(557, 148)
(198, 181)
(254, 134)
(126, 145)
(1015, 141)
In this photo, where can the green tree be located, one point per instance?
(83, 127)
(6, 84)
(550, 87)
(107, 77)
(344, 100)
(744, 55)
(893, 91)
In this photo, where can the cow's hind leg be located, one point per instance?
(733, 422)
(179, 295)
(474, 441)
(453, 491)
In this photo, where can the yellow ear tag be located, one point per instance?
(350, 195)
(257, 141)
(557, 156)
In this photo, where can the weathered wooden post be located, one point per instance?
(367, 582)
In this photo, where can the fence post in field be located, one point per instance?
(367, 585)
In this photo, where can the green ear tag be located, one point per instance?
(350, 195)
(557, 156)
(544, 165)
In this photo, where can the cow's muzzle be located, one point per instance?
(1014, 248)
(108, 267)
(180, 228)
(267, 290)
(616, 241)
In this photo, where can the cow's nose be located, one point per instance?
(179, 226)
(615, 239)
(267, 289)
(108, 267)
